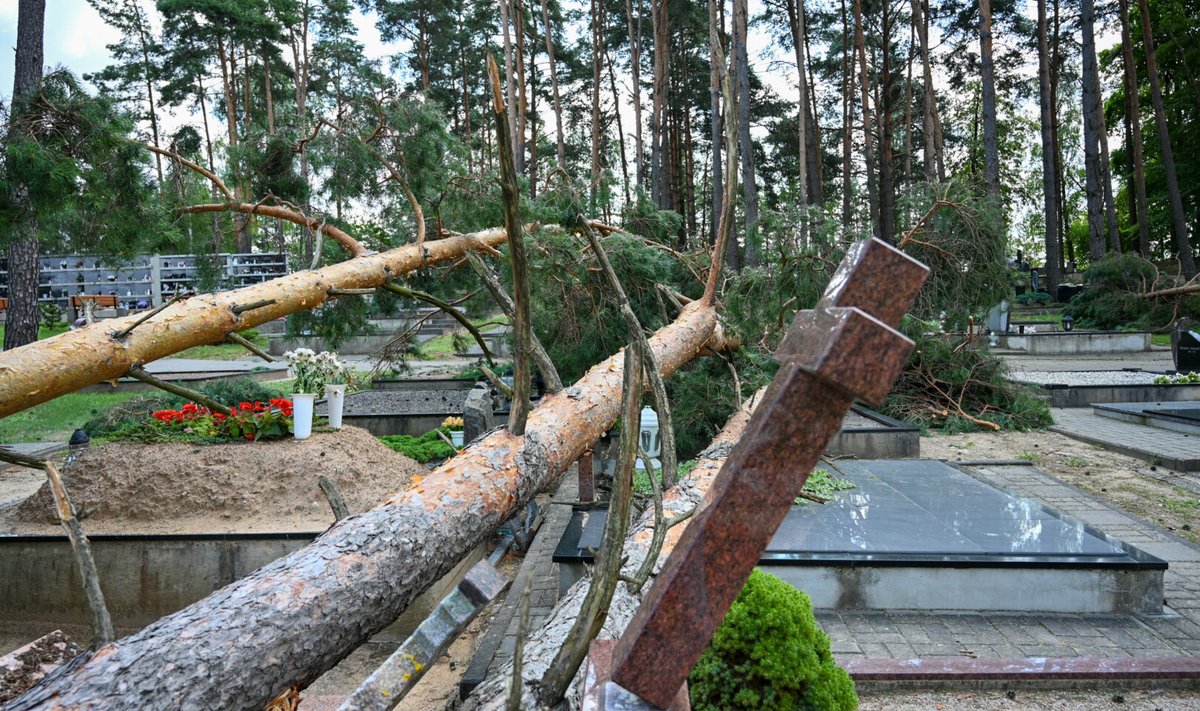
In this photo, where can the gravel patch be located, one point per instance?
(1084, 377)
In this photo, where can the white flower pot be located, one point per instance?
(335, 398)
(302, 415)
(456, 436)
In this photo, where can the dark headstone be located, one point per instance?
(1185, 346)
(477, 413)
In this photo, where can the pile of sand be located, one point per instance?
(244, 486)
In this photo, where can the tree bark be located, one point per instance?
(714, 99)
(635, 67)
(244, 644)
(865, 88)
(932, 159)
(847, 114)
(42, 371)
(795, 10)
(510, 90)
(1092, 126)
(597, 39)
(741, 71)
(887, 183)
(1049, 194)
(21, 326)
(991, 148)
(658, 160)
(558, 125)
(1178, 222)
(1134, 114)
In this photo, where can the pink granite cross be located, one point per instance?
(846, 348)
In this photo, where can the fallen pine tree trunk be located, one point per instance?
(43, 370)
(544, 643)
(295, 618)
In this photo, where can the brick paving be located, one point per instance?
(1174, 450)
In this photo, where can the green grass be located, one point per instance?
(442, 347)
(43, 331)
(1160, 339)
(54, 421)
(223, 351)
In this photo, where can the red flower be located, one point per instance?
(218, 416)
(249, 436)
(245, 406)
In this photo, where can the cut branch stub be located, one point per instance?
(843, 353)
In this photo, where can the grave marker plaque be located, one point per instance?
(845, 348)
(1185, 346)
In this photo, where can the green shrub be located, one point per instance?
(769, 653)
(423, 449)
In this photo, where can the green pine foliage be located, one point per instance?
(769, 653)
(1113, 298)
(940, 377)
(68, 155)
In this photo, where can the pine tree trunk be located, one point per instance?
(658, 159)
(714, 99)
(932, 159)
(865, 89)
(635, 67)
(597, 39)
(146, 74)
(908, 103)
(22, 317)
(847, 118)
(510, 90)
(746, 146)
(89, 355)
(1134, 114)
(558, 125)
(518, 18)
(1049, 194)
(816, 183)
(295, 618)
(1092, 126)
(795, 11)
(991, 148)
(887, 188)
(1178, 221)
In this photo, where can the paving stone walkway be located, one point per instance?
(1174, 450)
(911, 635)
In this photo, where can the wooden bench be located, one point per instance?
(3, 303)
(100, 300)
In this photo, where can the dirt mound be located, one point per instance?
(254, 486)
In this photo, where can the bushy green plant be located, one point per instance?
(769, 653)
(424, 448)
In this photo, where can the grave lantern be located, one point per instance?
(648, 438)
(1068, 322)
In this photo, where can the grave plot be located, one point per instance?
(924, 535)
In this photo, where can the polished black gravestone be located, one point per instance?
(921, 534)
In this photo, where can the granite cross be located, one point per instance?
(845, 348)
